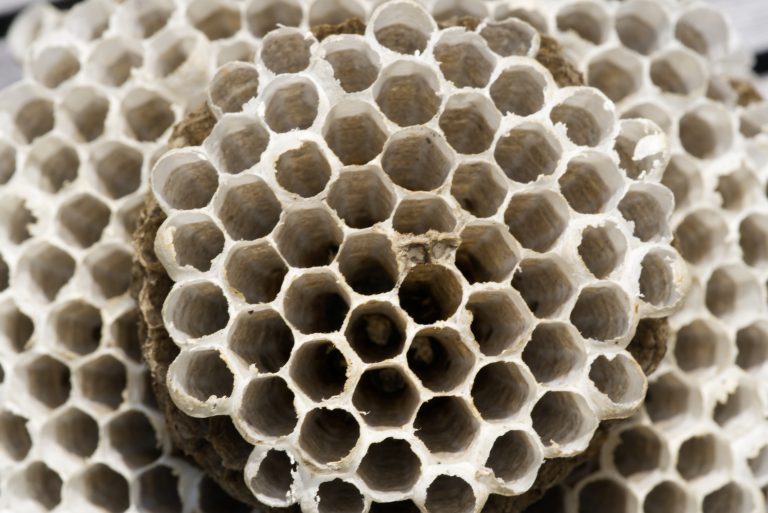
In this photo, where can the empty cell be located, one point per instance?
(171, 50)
(249, 210)
(752, 346)
(47, 269)
(657, 279)
(103, 380)
(406, 506)
(421, 213)
(527, 152)
(737, 187)
(509, 37)
(233, 86)
(47, 380)
(439, 358)
(368, 263)
(618, 73)
(34, 114)
(87, 110)
(417, 159)
(666, 497)
(561, 418)
(406, 93)
(390, 466)
(55, 65)
(239, 143)
(354, 64)
(678, 72)
(706, 131)
(104, 488)
(699, 345)
(212, 499)
(159, 490)
(263, 339)
(132, 435)
(113, 60)
(647, 211)
(303, 171)
(450, 494)
(638, 450)
(519, 90)
(15, 441)
(479, 188)
(7, 162)
(274, 478)
(185, 180)
(76, 432)
(334, 12)
(110, 270)
(328, 435)
(619, 378)
(338, 496)
(430, 293)
(469, 123)
(236, 51)
(742, 404)
(445, 424)
(285, 51)
(639, 148)
(118, 168)
(642, 26)
(500, 390)
(513, 456)
(700, 235)
(587, 19)
(668, 398)
(605, 495)
(445, 11)
(78, 326)
(147, 114)
(651, 111)
(376, 331)
(88, 21)
(730, 498)
(54, 163)
(753, 239)
(264, 16)
(590, 181)
(205, 375)
(703, 30)
(464, 61)
(39, 483)
(197, 309)
(148, 18)
(553, 352)
(217, 20)
(255, 272)
(319, 369)
(683, 177)
(732, 289)
(291, 105)
(355, 132)
(585, 116)
(385, 396)
(700, 455)
(537, 220)
(267, 406)
(601, 312)
(543, 285)
(361, 197)
(83, 220)
(403, 28)
(315, 303)
(486, 253)
(16, 328)
(197, 241)
(308, 237)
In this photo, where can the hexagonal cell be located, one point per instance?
(185, 180)
(403, 28)
(639, 449)
(55, 65)
(354, 64)
(368, 263)
(450, 494)
(291, 104)
(700, 234)
(47, 381)
(197, 309)
(255, 272)
(478, 188)
(159, 490)
(741, 404)
(376, 331)
(526, 152)
(618, 73)
(605, 495)
(118, 168)
(320, 369)
(730, 498)
(588, 20)
(110, 269)
(329, 435)
(234, 85)
(148, 18)
(703, 30)
(76, 432)
(753, 233)
(303, 171)
(46, 269)
(645, 209)
(464, 61)
(543, 285)
(338, 496)
(500, 390)
(586, 119)
(54, 163)
(735, 188)
(439, 358)
(355, 132)
(315, 303)
(263, 339)
(78, 326)
(513, 456)
(147, 114)
(486, 253)
(430, 293)
(249, 210)
(238, 143)
(34, 114)
(619, 378)
(561, 418)
(642, 26)
(308, 237)
(86, 108)
(274, 479)
(113, 60)
(752, 346)
(699, 345)
(267, 406)
(683, 177)
(700, 455)
(537, 220)
(38, 483)
(635, 158)
(98, 478)
(589, 182)
(650, 111)
(173, 52)
(132, 435)
(668, 398)
(103, 380)
(16, 219)
(390, 466)
(657, 279)
(553, 352)
(509, 37)
(15, 441)
(602, 249)
(731, 290)
(264, 16)
(469, 123)
(417, 148)
(706, 131)
(361, 197)
(205, 375)
(83, 220)
(16, 328)
(601, 312)
(385, 396)
(217, 20)
(196, 241)
(445, 424)
(286, 50)
(678, 72)
(421, 213)
(519, 90)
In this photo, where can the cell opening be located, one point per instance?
(268, 407)
(84, 219)
(54, 163)
(478, 188)
(206, 375)
(732, 289)
(683, 178)
(16, 328)
(619, 378)
(104, 381)
(14, 436)
(263, 339)
(464, 61)
(740, 404)
(285, 50)
(384, 396)
(149, 18)
(265, 16)
(730, 498)
(55, 65)
(430, 293)
(642, 26)
(439, 358)
(368, 263)
(527, 152)
(585, 116)
(638, 148)
(113, 60)
(703, 30)
(513, 456)
(390, 466)
(376, 332)
(646, 211)
(639, 450)
(700, 235)
(753, 239)
(519, 90)
(171, 50)
(543, 285)
(249, 210)
(338, 496)
(354, 64)
(650, 111)
(445, 424)
(234, 85)
(666, 496)
(536, 220)
(118, 168)
(657, 279)
(421, 213)
(486, 253)
(589, 21)
(320, 369)
(41, 484)
(197, 241)
(185, 180)
(700, 455)
(361, 198)
(97, 480)
(47, 269)
(509, 37)
(699, 346)
(255, 272)
(417, 159)
(87, 110)
(706, 131)
(561, 418)
(667, 398)
(291, 105)
(274, 479)
(469, 123)
(500, 390)
(309, 237)
(735, 188)
(303, 171)
(355, 132)
(134, 438)
(403, 28)
(329, 435)
(618, 73)
(198, 309)
(678, 72)
(34, 117)
(159, 490)
(147, 114)
(217, 20)
(315, 303)
(78, 327)
(601, 312)
(110, 270)
(553, 352)
(752, 346)
(450, 494)
(590, 181)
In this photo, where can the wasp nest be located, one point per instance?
(407, 265)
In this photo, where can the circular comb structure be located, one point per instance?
(391, 274)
